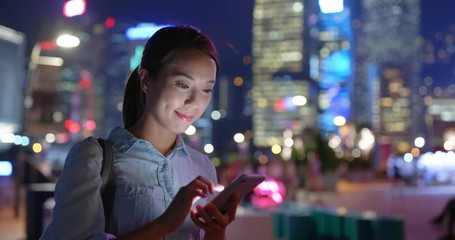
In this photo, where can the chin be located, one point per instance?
(182, 129)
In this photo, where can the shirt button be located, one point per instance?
(170, 199)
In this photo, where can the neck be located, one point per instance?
(160, 138)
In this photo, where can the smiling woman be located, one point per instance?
(157, 175)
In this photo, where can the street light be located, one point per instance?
(419, 142)
(68, 41)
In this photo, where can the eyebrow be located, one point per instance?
(179, 73)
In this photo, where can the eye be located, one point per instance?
(207, 90)
(181, 85)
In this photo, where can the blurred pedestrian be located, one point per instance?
(397, 177)
(446, 219)
(158, 176)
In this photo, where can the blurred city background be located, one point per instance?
(344, 105)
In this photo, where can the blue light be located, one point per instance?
(25, 141)
(339, 105)
(143, 31)
(338, 64)
(325, 121)
(6, 169)
(314, 66)
(290, 106)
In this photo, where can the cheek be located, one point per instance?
(205, 100)
(162, 102)
(170, 97)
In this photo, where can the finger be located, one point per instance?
(197, 188)
(235, 199)
(201, 184)
(216, 215)
(203, 215)
(232, 207)
(207, 183)
(195, 217)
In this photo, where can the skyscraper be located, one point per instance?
(281, 92)
(332, 60)
(387, 77)
(12, 77)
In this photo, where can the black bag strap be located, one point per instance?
(108, 181)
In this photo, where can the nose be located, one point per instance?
(191, 100)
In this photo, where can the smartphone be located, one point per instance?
(242, 184)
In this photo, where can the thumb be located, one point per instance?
(232, 209)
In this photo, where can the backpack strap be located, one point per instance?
(108, 181)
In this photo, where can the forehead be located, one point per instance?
(183, 54)
(192, 62)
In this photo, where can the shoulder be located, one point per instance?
(85, 142)
(82, 164)
(85, 152)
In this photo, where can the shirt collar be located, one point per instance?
(123, 140)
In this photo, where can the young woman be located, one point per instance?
(157, 175)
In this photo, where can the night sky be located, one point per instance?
(227, 22)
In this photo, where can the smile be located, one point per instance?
(187, 118)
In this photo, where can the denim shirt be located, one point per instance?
(146, 183)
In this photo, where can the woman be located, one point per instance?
(157, 175)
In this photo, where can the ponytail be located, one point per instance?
(133, 100)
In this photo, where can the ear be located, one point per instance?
(144, 79)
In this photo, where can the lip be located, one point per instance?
(185, 117)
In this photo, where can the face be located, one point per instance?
(181, 92)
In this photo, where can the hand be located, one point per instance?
(176, 213)
(212, 221)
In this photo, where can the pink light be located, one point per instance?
(277, 197)
(72, 126)
(269, 193)
(109, 22)
(62, 138)
(85, 83)
(90, 125)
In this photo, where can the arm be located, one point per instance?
(78, 213)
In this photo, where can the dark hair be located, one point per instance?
(159, 50)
